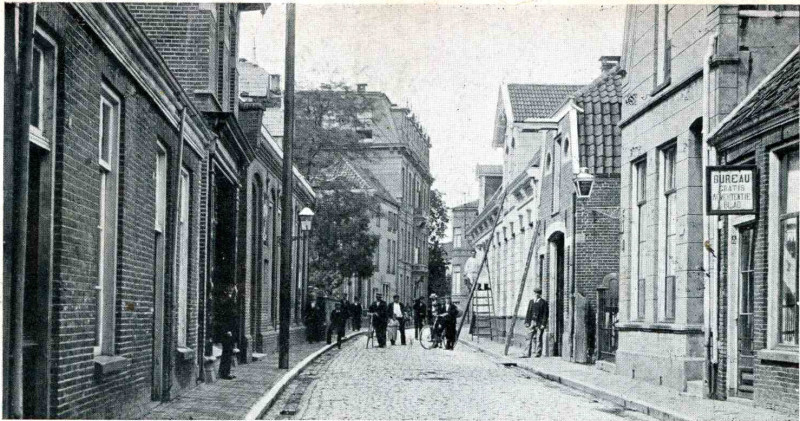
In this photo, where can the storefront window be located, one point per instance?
(789, 208)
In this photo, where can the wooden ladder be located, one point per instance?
(483, 314)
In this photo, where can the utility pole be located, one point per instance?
(284, 305)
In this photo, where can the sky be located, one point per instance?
(446, 62)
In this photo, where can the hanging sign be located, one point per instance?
(731, 189)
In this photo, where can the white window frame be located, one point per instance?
(667, 193)
(107, 228)
(44, 134)
(556, 178)
(639, 178)
(456, 279)
(183, 256)
(774, 248)
(662, 47)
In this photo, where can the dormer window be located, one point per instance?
(548, 163)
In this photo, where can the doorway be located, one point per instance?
(256, 250)
(36, 310)
(159, 274)
(557, 271)
(746, 354)
(224, 292)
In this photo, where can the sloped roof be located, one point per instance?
(469, 205)
(537, 101)
(360, 177)
(775, 96)
(599, 136)
(488, 169)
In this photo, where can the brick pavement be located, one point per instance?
(231, 399)
(661, 402)
(409, 382)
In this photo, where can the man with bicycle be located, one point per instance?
(438, 313)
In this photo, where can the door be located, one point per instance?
(746, 355)
(557, 299)
(36, 312)
(159, 262)
(256, 207)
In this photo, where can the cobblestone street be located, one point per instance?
(413, 383)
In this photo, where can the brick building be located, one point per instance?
(758, 277)
(687, 67)
(577, 244)
(461, 250)
(143, 210)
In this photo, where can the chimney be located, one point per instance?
(607, 63)
(275, 84)
(361, 87)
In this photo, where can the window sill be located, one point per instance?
(185, 354)
(786, 355)
(661, 87)
(107, 364)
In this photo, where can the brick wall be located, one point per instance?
(76, 391)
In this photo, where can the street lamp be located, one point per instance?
(306, 215)
(584, 182)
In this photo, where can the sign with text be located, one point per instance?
(731, 189)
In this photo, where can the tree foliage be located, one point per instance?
(327, 121)
(437, 256)
(342, 245)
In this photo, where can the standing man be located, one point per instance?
(345, 307)
(310, 318)
(380, 313)
(420, 314)
(437, 316)
(226, 360)
(450, 319)
(536, 321)
(471, 270)
(321, 317)
(397, 312)
(355, 314)
(338, 319)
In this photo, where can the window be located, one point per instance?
(668, 156)
(663, 46)
(183, 256)
(789, 210)
(378, 220)
(566, 149)
(556, 176)
(388, 255)
(548, 163)
(457, 237)
(43, 84)
(456, 279)
(403, 182)
(378, 256)
(640, 172)
(108, 132)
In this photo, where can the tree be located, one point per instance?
(327, 121)
(342, 246)
(437, 256)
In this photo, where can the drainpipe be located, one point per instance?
(20, 215)
(706, 157)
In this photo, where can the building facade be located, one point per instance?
(577, 243)
(140, 209)
(460, 250)
(687, 67)
(758, 277)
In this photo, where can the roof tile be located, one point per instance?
(537, 101)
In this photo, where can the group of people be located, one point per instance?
(442, 316)
(316, 318)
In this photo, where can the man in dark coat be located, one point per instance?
(345, 308)
(355, 313)
(338, 320)
(380, 318)
(450, 318)
(227, 356)
(310, 318)
(420, 314)
(322, 318)
(536, 321)
(397, 311)
(437, 325)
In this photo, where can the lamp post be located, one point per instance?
(306, 217)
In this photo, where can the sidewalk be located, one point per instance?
(657, 401)
(231, 399)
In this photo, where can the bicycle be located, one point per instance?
(429, 338)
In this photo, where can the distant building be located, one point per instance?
(522, 119)
(687, 67)
(396, 152)
(462, 217)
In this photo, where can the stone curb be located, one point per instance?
(263, 404)
(617, 399)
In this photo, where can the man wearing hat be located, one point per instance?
(380, 318)
(536, 321)
(420, 315)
